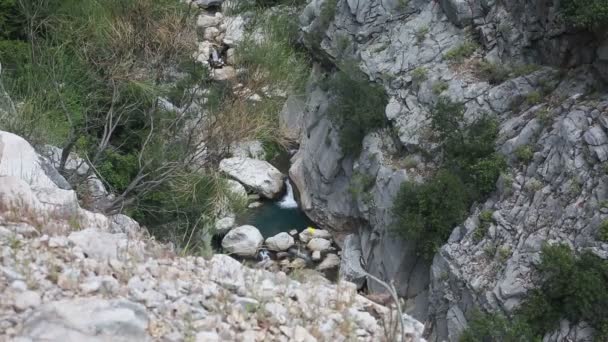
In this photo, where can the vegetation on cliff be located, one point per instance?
(427, 212)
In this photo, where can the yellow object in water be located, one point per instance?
(311, 230)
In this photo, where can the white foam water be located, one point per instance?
(288, 201)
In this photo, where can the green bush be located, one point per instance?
(589, 14)
(524, 153)
(603, 229)
(440, 86)
(426, 213)
(421, 33)
(360, 183)
(494, 73)
(497, 328)
(571, 287)
(419, 75)
(357, 106)
(459, 53)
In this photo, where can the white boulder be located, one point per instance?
(258, 175)
(280, 242)
(243, 241)
(319, 244)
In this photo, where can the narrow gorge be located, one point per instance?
(304, 170)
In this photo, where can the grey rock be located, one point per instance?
(243, 241)
(318, 244)
(26, 300)
(330, 261)
(280, 242)
(88, 319)
(208, 3)
(223, 225)
(258, 175)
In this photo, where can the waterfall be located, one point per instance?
(288, 201)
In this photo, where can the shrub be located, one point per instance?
(485, 220)
(496, 327)
(533, 98)
(589, 14)
(357, 106)
(524, 153)
(571, 287)
(360, 183)
(286, 68)
(494, 73)
(419, 75)
(602, 233)
(459, 53)
(440, 86)
(421, 33)
(426, 213)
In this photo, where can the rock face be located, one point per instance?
(258, 175)
(243, 241)
(553, 198)
(64, 278)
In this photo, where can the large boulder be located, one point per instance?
(258, 175)
(280, 242)
(319, 244)
(90, 319)
(243, 241)
(309, 233)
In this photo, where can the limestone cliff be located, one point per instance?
(555, 197)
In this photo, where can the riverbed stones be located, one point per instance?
(258, 175)
(280, 242)
(316, 256)
(243, 241)
(319, 244)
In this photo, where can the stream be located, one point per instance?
(274, 217)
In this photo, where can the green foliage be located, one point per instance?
(326, 16)
(571, 287)
(402, 4)
(459, 53)
(12, 19)
(494, 73)
(497, 328)
(602, 233)
(524, 153)
(357, 106)
(589, 14)
(440, 86)
(419, 75)
(286, 67)
(533, 97)
(485, 220)
(118, 169)
(360, 183)
(421, 33)
(426, 213)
